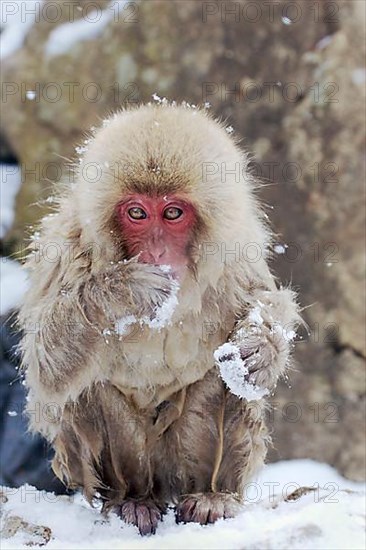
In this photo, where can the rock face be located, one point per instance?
(289, 76)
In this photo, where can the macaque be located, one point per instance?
(144, 299)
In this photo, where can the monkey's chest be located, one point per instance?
(153, 364)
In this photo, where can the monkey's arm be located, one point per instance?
(64, 318)
(264, 335)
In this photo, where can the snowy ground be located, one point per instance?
(331, 517)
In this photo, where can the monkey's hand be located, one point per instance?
(250, 362)
(127, 289)
(264, 352)
(259, 347)
(151, 288)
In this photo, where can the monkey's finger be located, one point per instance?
(253, 362)
(264, 377)
(248, 351)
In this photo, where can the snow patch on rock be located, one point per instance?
(64, 37)
(17, 18)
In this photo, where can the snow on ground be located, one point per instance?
(328, 518)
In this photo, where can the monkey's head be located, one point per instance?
(169, 186)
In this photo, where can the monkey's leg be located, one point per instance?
(208, 455)
(102, 448)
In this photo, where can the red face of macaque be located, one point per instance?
(157, 230)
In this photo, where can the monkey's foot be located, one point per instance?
(143, 514)
(206, 508)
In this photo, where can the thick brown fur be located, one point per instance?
(143, 418)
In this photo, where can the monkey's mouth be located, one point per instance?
(166, 264)
(174, 272)
(165, 268)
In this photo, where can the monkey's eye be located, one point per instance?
(137, 213)
(172, 213)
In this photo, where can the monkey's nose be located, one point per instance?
(153, 255)
(157, 255)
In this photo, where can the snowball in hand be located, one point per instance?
(233, 371)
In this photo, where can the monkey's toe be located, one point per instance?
(206, 508)
(145, 515)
